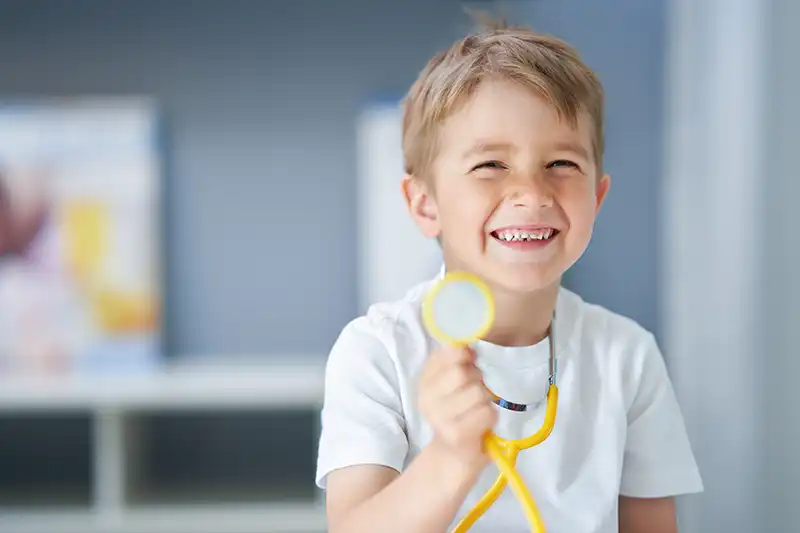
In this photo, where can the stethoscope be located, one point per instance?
(460, 310)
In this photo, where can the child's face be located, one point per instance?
(508, 168)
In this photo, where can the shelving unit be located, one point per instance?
(117, 405)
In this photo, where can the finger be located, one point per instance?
(459, 353)
(456, 378)
(450, 396)
(431, 370)
(471, 426)
(439, 360)
(451, 354)
(463, 402)
(478, 421)
(443, 361)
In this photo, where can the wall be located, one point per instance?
(778, 356)
(259, 100)
(624, 42)
(730, 288)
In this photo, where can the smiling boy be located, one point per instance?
(503, 149)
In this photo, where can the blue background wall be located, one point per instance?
(259, 100)
(624, 41)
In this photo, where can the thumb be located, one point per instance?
(460, 353)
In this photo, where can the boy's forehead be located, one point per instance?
(475, 138)
(503, 117)
(556, 143)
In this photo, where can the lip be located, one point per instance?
(524, 227)
(526, 245)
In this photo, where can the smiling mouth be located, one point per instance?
(512, 235)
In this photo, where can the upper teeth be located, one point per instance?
(516, 235)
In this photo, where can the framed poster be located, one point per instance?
(393, 254)
(80, 281)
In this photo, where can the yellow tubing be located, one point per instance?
(504, 453)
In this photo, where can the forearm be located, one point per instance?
(647, 515)
(423, 499)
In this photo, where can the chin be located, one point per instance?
(520, 278)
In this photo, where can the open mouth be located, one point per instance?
(521, 236)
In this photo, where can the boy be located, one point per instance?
(503, 144)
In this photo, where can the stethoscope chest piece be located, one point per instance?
(459, 310)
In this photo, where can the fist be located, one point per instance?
(457, 405)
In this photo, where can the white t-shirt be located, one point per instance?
(618, 428)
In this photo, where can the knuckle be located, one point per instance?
(488, 414)
(481, 391)
(451, 434)
(475, 374)
(456, 376)
(447, 352)
(464, 354)
(476, 395)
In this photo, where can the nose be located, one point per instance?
(530, 191)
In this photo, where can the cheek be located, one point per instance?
(466, 210)
(580, 206)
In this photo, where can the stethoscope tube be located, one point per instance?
(504, 452)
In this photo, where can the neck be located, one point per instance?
(522, 319)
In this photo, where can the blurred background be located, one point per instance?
(196, 196)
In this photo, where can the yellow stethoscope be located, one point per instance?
(459, 310)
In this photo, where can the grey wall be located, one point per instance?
(259, 100)
(732, 255)
(779, 417)
(623, 41)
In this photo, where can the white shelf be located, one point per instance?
(267, 518)
(184, 386)
(228, 384)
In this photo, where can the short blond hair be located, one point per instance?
(545, 64)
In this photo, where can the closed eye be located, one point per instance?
(490, 165)
(563, 163)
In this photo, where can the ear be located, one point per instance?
(421, 205)
(601, 190)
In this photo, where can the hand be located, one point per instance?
(454, 400)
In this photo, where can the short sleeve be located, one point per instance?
(658, 459)
(361, 419)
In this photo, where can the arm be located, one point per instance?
(658, 461)
(647, 515)
(424, 499)
(364, 446)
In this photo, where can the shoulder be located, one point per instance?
(598, 328)
(623, 349)
(385, 331)
(368, 385)
(622, 360)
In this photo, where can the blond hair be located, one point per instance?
(547, 65)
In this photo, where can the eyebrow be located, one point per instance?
(482, 147)
(572, 146)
